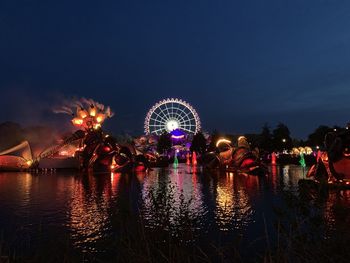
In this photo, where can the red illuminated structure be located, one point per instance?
(92, 149)
(273, 158)
(230, 158)
(333, 166)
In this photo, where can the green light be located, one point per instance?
(302, 160)
(176, 161)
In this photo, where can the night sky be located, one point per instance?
(239, 63)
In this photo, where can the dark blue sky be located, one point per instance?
(239, 63)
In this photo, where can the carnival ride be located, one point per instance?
(241, 159)
(171, 114)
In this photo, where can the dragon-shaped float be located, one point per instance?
(89, 148)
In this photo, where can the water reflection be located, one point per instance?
(86, 205)
(179, 186)
(233, 208)
(89, 209)
(336, 211)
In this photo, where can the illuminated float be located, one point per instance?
(99, 151)
(333, 166)
(241, 158)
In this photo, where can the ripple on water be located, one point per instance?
(83, 207)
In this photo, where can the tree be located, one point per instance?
(199, 143)
(265, 139)
(317, 137)
(281, 138)
(214, 137)
(253, 139)
(164, 143)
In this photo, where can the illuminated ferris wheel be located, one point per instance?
(171, 114)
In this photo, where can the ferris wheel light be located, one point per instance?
(171, 114)
(172, 125)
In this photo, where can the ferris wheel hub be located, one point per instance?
(172, 125)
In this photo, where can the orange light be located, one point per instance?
(77, 121)
(96, 126)
(92, 112)
(100, 118)
(82, 114)
(223, 141)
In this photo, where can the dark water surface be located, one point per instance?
(46, 212)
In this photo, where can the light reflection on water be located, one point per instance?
(88, 211)
(82, 207)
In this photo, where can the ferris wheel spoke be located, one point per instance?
(166, 117)
(175, 110)
(161, 117)
(181, 113)
(181, 119)
(167, 109)
(188, 130)
(190, 120)
(178, 112)
(187, 124)
(184, 119)
(161, 124)
(156, 125)
(172, 115)
(185, 114)
(157, 120)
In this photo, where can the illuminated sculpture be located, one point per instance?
(333, 166)
(171, 114)
(241, 158)
(99, 151)
(94, 150)
(16, 158)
